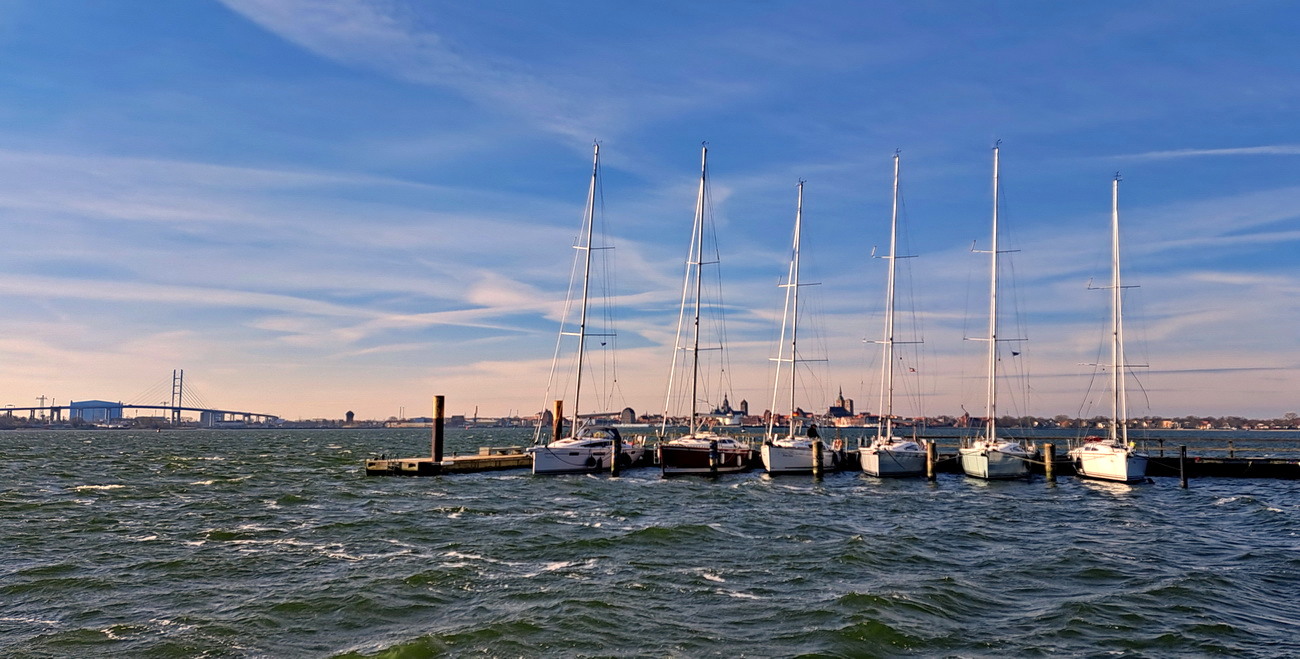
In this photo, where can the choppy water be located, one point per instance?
(274, 543)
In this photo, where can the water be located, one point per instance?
(274, 543)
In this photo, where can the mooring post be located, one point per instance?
(557, 423)
(817, 449)
(1182, 465)
(931, 457)
(1162, 448)
(1231, 452)
(1049, 460)
(713, 457)
(616, 452)
(437, 428)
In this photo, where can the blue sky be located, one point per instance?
(315, 207)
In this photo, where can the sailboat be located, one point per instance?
(1113, 457)
(888, 455)
(589, 448)
(990, 456)
(700, 450)
(793, 453)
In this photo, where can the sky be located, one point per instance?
(315, 207)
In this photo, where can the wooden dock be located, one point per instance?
(497, 458)
(488, 458)
(1183, 466)
(1199, 466)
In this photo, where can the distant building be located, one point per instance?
(211, 419)
(94, 411)
(841, 408)
(723, 415)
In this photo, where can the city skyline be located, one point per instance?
(317, 207)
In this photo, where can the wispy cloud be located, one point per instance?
(1274, 150)
(379, 36)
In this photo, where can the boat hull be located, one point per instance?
(696, 459)
(1109, 463)
(892, 462)
(580, 460)
(796, 458)
(1001, 461)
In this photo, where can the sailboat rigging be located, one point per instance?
(1113, 458)
(792, 453)
(888, 455)
(990, 456)
(700, 450)
(589, 447)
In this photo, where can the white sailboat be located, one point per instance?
(793, 453)
(889, 455)
(990, 456)
(589, 448)
(700, 450)
(1113, 457)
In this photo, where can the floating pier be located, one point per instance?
(1180, 465)
(497, 458)
(488, 458)
(1199, 466)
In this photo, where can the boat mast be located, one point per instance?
(992, 395)
(1119, 404)
(693, 261)
(785, 326)
(887, 360)
(794, 307)
(699, 282)
(589, 222)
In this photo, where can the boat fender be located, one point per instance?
(591, 462)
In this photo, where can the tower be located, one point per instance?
(178, 394)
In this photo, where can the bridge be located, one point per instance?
(102, 410)
(55, 413)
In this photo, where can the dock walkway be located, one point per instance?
(497, 458)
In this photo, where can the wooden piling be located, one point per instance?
(1182, 466)
(438, 412)
(557, 423)
(1049, 462)
(817, 451)
(931, 457)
